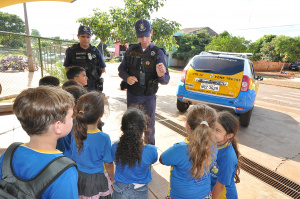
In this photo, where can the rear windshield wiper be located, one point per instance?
(204, 70)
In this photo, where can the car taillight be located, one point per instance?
(183, 75)
(245, 83)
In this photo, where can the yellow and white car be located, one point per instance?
(221, 79)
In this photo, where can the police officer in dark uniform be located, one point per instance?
(87, 56)
(143, 67)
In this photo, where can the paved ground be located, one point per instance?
(249, 188)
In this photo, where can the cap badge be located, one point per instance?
(147, 63)
(152, 53)
(142, 27)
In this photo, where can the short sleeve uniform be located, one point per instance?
(27, 163)
(182, 185)
(224, 170)
(140, 174)
(96, 150)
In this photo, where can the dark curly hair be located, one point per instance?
(130, 147)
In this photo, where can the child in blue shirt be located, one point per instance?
(191, 160)
(225, 172)
(45, 113)
(91, 148)
(64, 143)
(133, 158)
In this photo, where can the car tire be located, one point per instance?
(245, 118)
(181, 106)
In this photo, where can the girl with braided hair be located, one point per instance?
(133, 158)
(192, 159)
(91, 148)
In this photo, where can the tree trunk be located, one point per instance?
(28, 44)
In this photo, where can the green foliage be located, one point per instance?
(58, 71)
(163, 31)
(118, 24)
(228, 43)
(288, 48)
(268, 52)
(256, 46)
(192, 44)
(11, 23)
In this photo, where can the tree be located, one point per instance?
(192, 44)
(288, 48)
(255, 47)
(118, 24)
(12, 23)
(228, 43)
(268, 52)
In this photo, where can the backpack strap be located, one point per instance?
(37, 185)
(7, 161)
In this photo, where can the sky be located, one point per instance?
(250, 19)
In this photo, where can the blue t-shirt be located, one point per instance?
(96, 150)
(224, 170)
(27, 163)
(182, 185)
(64, 143)
(140, 174)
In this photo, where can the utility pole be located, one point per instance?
(28, 44)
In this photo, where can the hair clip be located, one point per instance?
(81, 111)
(204, 122)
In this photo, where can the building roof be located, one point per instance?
(195, 30)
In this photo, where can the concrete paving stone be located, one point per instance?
(160, 180)
(252, 188)
(289, 169)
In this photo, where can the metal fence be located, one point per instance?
(47, 54)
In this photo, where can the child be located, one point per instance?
(64, 143)
(91, 148)
(133, 158)
(71, 82)
(78, 74)
(191, 160)
(49, 81)
(225, 172)
(45, 113)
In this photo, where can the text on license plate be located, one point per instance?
(211, 87)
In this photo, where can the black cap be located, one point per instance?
(142, 28)
(84, 29)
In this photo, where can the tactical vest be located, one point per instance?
(88, 60)
(143, 67)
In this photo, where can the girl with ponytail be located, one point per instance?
(225, 172)
(91, 148)
(133, 158)
(191, 160)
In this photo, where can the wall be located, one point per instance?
(263, 65)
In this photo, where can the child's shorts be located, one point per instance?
(124, 190)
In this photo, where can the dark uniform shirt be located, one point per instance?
(69, 59)
(161, 58)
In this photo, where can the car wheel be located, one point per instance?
(181, 106)
(245, 118)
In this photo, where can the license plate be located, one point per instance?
(211, 87)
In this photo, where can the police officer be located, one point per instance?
(87, 56)
(143, 67)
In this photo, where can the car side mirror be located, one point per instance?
(259, 78)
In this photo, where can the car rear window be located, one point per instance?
(217, 65)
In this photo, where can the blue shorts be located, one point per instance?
(124, 191)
